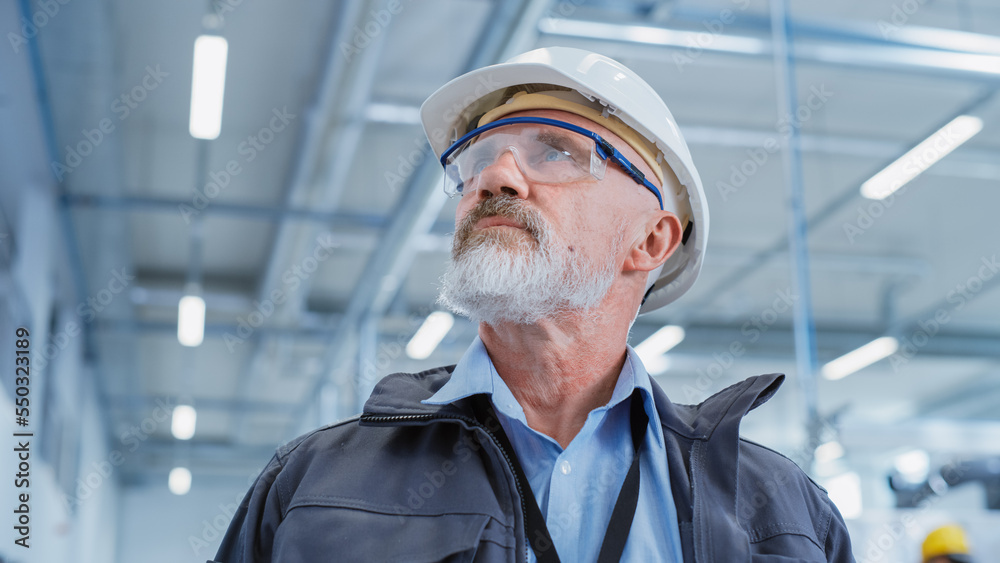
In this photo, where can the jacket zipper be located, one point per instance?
(378, 418)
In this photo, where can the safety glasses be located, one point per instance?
(545, 150)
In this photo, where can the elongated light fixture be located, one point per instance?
(208, 84)
(429, 335)
(913, 465)
(179, 480)
(652, 349)
(191, 320)
(861, 358)
(921, 157)
(183, 421)
(829, 451)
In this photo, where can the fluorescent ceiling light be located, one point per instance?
(429, 335)
(947, 39)
(183, 422)
(651, 35)
(392, 113)
(208, 84)
(921, 157)
(913, 465)
(191, 320)
(862, 357)
(829, 451)
(657, 365)
(179, 481)
(845, 492)
(660, 342)
(651, 350)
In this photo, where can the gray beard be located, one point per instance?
(498, 275)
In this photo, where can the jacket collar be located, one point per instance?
(698, 422)
(402, 393)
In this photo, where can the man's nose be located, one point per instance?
(503, 175)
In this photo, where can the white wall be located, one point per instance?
(57, 533)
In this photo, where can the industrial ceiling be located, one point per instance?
(321, 186)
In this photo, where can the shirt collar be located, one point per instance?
(475, 374)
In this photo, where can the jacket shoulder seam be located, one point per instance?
(823, 519)
(786, 458)
(726, 399)
(287, 449)
(284, 452)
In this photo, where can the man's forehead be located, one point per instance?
(573, 118)
(544, 133)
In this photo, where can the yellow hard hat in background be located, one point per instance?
(947, 540)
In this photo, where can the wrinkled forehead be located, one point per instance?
(516, 133)
(568, 117)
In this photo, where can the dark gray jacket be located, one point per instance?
(412, 482)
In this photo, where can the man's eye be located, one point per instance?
(479, 166)
(554, 155)
(476, 159)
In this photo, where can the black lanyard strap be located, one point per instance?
(621, 517)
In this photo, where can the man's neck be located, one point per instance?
(558, 370)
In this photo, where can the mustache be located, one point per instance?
(508, 207)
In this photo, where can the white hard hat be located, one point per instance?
(457, 107)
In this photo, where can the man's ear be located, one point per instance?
(663, 236)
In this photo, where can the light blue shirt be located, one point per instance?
(576, 488)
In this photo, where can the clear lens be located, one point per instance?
(543, 153)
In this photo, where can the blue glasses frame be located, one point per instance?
(604, 149)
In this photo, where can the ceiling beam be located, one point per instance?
(146, 403)
(937, 52)
(940, 436)
(977, 400)
(147, 204)
(218, 330)
(159, 456)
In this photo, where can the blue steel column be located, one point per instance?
(194, 274)
(193, 278)
(367, 332)
(805, 330)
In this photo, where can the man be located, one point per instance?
(946, 544)
(548, 441)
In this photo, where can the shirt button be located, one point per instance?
(565, 467)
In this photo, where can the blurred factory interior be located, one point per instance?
(198, 293)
